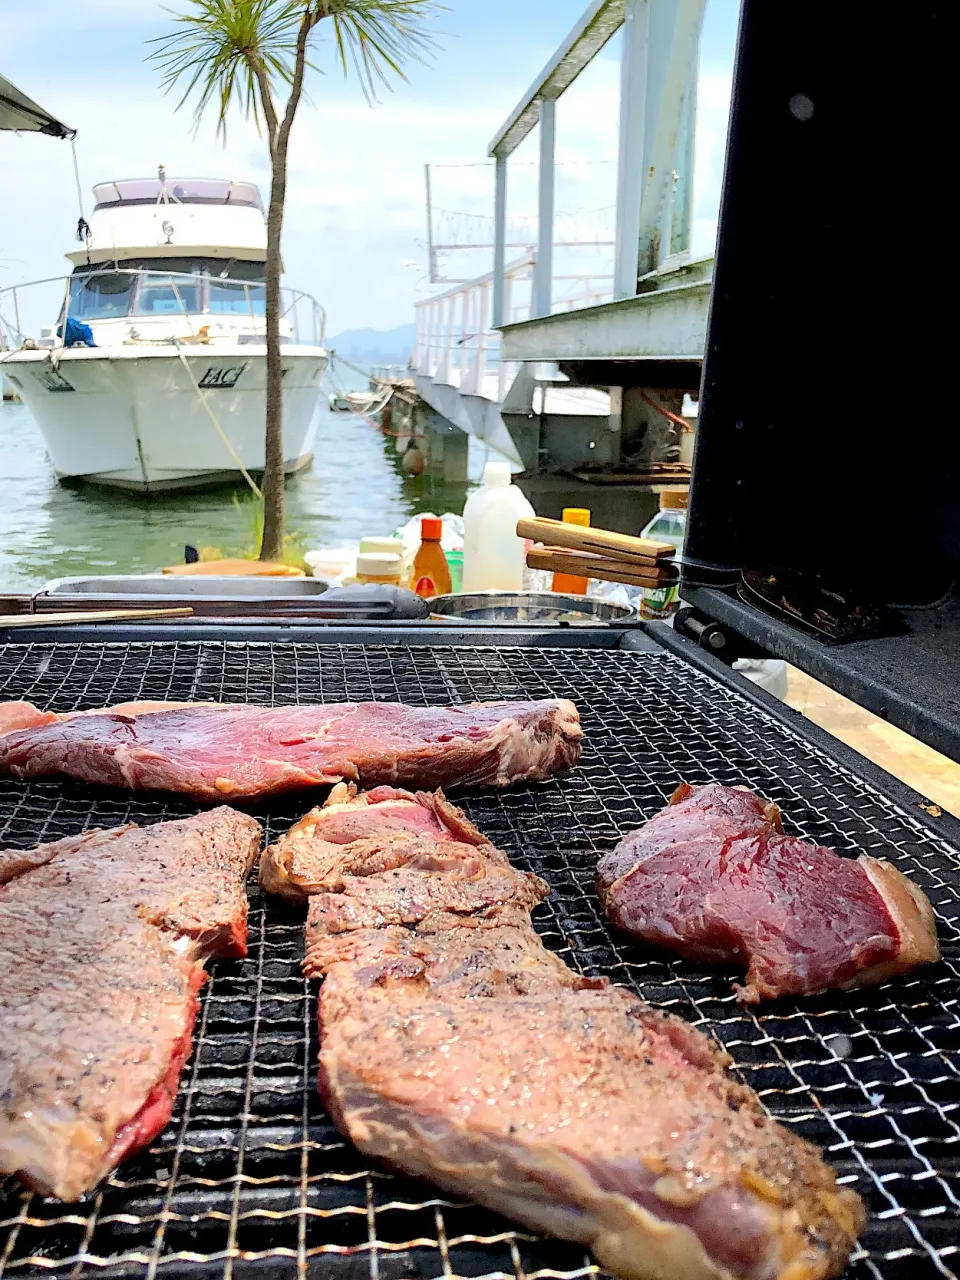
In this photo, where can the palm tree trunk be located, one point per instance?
(271, 547)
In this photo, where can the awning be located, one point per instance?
(17, 111)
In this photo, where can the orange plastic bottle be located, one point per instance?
(431, 573)
(569, 583)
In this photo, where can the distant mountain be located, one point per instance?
(375, 346)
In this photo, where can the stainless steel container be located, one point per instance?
(528, 606)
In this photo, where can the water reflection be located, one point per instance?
(48, 530)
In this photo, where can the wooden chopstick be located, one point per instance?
(621, 546)
(588, 566)
(15, 620)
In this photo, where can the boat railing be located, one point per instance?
(303, 319)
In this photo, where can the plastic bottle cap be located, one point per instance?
(497, 475)
(431, 529)
(576, 515)
(381, 546)
(378, 565)
(673, 499)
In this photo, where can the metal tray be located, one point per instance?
(119, 586)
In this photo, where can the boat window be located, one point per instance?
(168, 296)
(102, 296)
(234, 298)
(176, 191)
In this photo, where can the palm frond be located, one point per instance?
(211, 53)
(376, 37)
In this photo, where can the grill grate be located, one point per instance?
(251, 1177)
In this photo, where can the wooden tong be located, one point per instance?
(599, 553)
(584, 565)
(603, 542)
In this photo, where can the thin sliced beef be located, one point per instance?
(714, 878)
(211, 751)
(455, 1047)
(102, 942)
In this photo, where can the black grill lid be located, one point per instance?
(826, 454)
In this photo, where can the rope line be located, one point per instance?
(220, 431)
(83, 227)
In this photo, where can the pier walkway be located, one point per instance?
(579, 377)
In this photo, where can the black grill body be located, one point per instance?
(250, 1178)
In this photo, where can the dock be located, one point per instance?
(588, 400)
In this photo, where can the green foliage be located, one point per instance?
(376, 37)
(216, 47)
(219, 49)
(250, 508)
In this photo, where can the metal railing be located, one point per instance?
(302, 318)
(457, 331)
(456, 342)
(659, 61)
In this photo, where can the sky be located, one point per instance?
(355, 229)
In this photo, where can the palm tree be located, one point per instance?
(238, 53)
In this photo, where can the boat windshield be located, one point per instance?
(235, 298)
(168, 287)
(170, 295)
(102, 296)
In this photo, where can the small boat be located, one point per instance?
(154, 376)
(362, 402)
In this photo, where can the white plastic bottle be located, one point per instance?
(494, 558)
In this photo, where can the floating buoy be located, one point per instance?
(413, 460)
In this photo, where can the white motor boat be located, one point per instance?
(154, 376)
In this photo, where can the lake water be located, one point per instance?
(47, 530)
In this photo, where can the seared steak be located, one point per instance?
(212, 751)
(454, 1046)
(102, 941)
(714, 878)
(357, 835)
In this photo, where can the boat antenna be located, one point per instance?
(83, 226)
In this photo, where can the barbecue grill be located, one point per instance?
(250, 1178)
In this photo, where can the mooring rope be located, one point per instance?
(220, 431)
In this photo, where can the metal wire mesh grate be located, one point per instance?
(250, 1177)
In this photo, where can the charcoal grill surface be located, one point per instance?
(250, 1177)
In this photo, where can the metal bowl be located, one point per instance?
(528, 606)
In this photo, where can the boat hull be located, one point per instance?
(140, 420)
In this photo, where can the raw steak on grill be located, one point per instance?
(102, 942)
(714, 878)
(455, 1047)
(211, 751)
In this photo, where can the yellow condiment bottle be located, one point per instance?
(431, 573)
(569, 583)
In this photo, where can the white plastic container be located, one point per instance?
(332, 565)
(494, 558)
